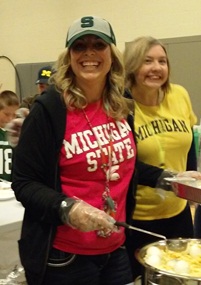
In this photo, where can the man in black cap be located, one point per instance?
(44, 74)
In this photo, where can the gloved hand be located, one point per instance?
(191, 174)
(85, 217)
(163, 185)
(13, 128)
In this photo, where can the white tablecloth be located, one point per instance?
(11, 215)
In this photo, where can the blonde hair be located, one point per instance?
(8, 98)
(113, 100)
(134, 56)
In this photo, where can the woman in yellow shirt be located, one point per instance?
(163, 125)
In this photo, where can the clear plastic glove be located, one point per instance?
(163, 185)
(13, 128)
(191, 174)
(86, 218)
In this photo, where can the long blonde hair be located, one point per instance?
(134, 56)
(113, 100)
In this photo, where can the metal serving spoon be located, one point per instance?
(125, 225)
(172, 244)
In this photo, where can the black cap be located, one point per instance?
(44, 74)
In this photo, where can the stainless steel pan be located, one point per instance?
(158, 276)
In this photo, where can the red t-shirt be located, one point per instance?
(82, 176)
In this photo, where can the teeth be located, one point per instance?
(155, 77)
(87, 63)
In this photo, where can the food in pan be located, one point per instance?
(186, 262)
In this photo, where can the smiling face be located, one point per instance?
(153, 73)
(90, 59)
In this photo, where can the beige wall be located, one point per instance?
(35, 30)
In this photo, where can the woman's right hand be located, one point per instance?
(85, 217)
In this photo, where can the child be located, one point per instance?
(9, 103)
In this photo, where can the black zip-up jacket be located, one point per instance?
(36, 181)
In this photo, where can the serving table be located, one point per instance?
(11, 215)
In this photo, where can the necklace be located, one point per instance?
(109, 205)
(161, 150)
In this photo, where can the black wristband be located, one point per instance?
(65, 208)
(163, 183)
